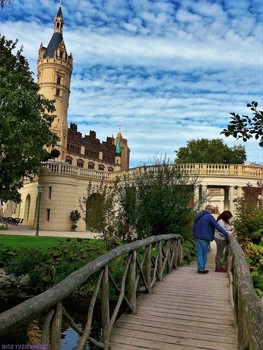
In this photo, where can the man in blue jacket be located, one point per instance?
(204, 226)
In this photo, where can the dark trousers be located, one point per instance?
(220, 247)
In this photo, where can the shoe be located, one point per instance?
(220, 269)
(202, 271)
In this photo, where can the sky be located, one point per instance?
(164, 71)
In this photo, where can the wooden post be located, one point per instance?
(168, 255)
(175, 254)
(148, 268)
(160, 262)
(56, 324)
(105, 308)
(132, 283)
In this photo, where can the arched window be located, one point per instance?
(91, 165)
(101, 167)
(69, 160)
(110, 169)
(80, 163)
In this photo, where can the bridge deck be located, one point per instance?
(185, 311)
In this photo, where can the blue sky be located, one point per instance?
(167, 71)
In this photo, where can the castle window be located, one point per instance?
(110, 169)
(69, 160)
(49, 192)
(80, 163)
(48, 214)
(101, 167)
(57, 92)
(91, 165)
(58, 80)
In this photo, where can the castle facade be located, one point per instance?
(48, 200)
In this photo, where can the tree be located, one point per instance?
(152, 200)
(155, 200)
(25, 119)
(248, 220)
(246, 127)
(210, 151)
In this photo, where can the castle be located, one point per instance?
(48, 200)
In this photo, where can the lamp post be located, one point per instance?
(40, 188)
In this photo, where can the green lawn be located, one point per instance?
(31, 241)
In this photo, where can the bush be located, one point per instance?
(254, 258)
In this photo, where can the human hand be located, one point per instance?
(231, 234)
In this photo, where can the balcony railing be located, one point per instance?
(62, 168)
(197, 169)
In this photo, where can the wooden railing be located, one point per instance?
(144, 262)
(248, 308)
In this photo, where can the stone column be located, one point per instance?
(239, 192)
(196, 196)
(226, 198)
(204, 195)
(231, 199)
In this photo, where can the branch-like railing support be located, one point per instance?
(132, 283)
(143, 263)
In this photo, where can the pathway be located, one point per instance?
(185, 311)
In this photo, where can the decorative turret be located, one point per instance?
(122, 157)
(118, 142)
(54, 74)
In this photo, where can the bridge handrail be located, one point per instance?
(166, 256)
(248, 308)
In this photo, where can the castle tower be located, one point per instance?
(54, 73)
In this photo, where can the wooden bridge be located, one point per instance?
(179, 310)
(185, 311)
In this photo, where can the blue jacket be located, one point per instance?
(204, 227)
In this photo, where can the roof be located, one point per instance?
(53, 44)
(59, 14)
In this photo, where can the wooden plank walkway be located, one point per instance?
(185, 311)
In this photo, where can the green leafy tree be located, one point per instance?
(245, 127)
(25, 119)
(210, 151)
(97, 205)
(248, 223)
(155, 200)
(248, 220)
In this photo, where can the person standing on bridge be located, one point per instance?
(203, 231)
(221, 240)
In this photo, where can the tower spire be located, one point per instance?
(58, 20)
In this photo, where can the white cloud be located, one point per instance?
(166, 71)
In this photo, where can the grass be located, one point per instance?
(21, 242)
